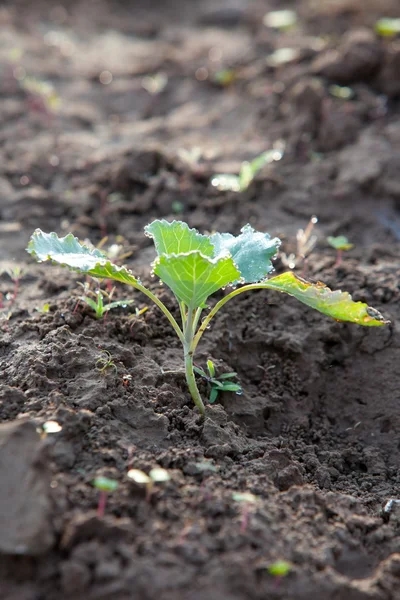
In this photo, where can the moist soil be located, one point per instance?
(141, 125)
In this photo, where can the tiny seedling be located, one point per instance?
(228, 182)
(387, 27)
(248, 501)
(279, 569)
(105, 362)
(15, 274)
(305, 244)
(280, 19)
(195, 266)
(220, 383)
(101, 309)
(341, 244)
(157, 475)
(105, 486)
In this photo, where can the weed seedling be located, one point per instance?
(305, 244)
(228, 182)
(220, 383)
(157, 475)
(195, 266)
(247, 501)
(15, 274)
(101, 309)
(341, 244)
(279, 569)
(105, 486)
(105, 362)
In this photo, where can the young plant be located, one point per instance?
(218, 384)
(341, 244)
(195, 266)
(98, 305)
(305, 244)
(248, 502)
(105, 362)
(157, 475)
(105, 486)
(15, 274)
(248, 170)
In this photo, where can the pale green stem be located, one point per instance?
(191, 321)
(182, 308)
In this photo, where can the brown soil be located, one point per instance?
(315, 435)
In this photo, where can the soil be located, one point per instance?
(140, 129)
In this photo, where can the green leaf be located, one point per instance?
(227, 375)
(252, 252)
(105, 485)
(118, 303)
(213, 395)
(336, 304)
(193, 277)
(200, 372)
(68, 251)
(226, 182)
(177, 238)
(211, 367)
(387, 27)
(231, 387)
(339, 243)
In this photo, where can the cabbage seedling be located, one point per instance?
(228, 182)
(341, 244)
(195, 266)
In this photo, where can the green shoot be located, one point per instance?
(15, 274)
(105, 362)
(387, 27)
(228, 182)
(305, 244)
(280, 19)
(279, 568)
(195, 266)
(222, 383)
(341, 244)
(248, 502)
(105, 486)
(98, 306)
(156, 475)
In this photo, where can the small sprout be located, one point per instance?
(305, 244)
(224, 77)
(15, 273)
(205, 466)
(156, 475)
(154, 84)
(244, 497)
(341, 244)
(282, 56)
(100, 309)
(159, 475)
(195, 266)
(105, 486)
(105, 362)
(387, 27)
(44, 309)
(177, 207)
(279, 568)
(220, 383)
(247, 501)
(280, 19)
(341, 92)
(51, 427)
(126, 379)
(248, 170)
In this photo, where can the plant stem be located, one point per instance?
(191, 321)
(101, 507)
(191, 381)
(339, 257)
